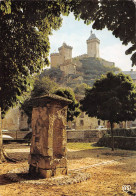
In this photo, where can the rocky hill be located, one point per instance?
(88, 70)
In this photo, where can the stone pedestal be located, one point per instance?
(48, 145)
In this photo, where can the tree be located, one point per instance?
(73, 108)
(26, 25)
(24, 44)
(112, 98)
(80, 89)
(41, 87)
(117, 16)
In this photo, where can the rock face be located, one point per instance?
(48, 146)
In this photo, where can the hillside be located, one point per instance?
(89, 70)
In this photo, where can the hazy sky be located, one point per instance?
(75, 33)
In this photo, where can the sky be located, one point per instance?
(75, 33)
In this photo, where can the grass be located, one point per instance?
(82, 146)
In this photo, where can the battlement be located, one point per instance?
(54, 54)
(65, 54)
(65, 46)
(81, 56)
(63, 59)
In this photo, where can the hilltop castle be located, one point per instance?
(63, 59)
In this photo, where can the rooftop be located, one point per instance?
(48, 98)
(92, 36)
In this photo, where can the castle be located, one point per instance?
(69, 65)
(75, 71)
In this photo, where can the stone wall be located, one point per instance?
(106, 63)
(11, 120)
(68, 68)
(56, 59)
(15, 119)
(83, 121)
(65, 53)
(85, 135)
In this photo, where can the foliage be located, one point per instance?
(73, 108)
(53, 73)
(90, 70)
(112, 89)
(122, 142)
(93, 68)
(25, 27)
(41, 87)
(80, 89)
(117, 16)
(112, 98)
(131, 132)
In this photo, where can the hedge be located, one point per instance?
(127, 143)
(124, 132)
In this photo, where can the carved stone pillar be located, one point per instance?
(48, 145)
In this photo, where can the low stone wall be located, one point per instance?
(16, 134)
(85, 135)
(72, 135)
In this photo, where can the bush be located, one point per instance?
(125, 132)
(127, 143)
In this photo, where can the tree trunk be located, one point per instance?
(112, 137)
(3, 154)
(1, 148)
(2, 157)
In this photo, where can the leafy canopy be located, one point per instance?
(44, 85)
(112, 98)
(80, 89)
(73, 108)
(26, 25)
(24, 44)
(117, 16)
(41, 87)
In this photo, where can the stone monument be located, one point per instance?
(48, 153)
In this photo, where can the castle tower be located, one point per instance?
(93, 46)
(65, 53)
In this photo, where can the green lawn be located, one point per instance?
(82, 146)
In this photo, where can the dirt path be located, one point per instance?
(109, 172)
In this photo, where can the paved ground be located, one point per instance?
(109, 172)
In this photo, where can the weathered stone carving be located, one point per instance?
(48, 145)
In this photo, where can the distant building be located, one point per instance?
(63, 59)
(93, 46)
(65, 53)
(17, 120)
